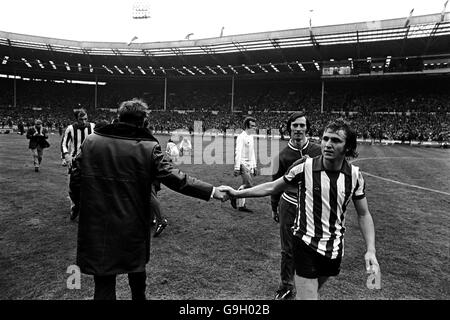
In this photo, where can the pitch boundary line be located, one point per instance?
(383, 158)
(402, 183)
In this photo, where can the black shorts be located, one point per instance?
(311, 264)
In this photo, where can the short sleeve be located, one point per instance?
(293, 174)
(360, 188)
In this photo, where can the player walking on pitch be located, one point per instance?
(326, 184)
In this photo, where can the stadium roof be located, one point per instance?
(303, 51)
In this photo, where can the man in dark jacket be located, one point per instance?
(38, 136)
(116, 168)
(284, 206)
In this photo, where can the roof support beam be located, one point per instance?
(243, 51)
(180, 55)
(151, 58)
(278, 48)
(313, 40)
(431, 37)
(404, 40)
(211, 53)
(358, 50)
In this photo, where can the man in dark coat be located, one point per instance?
(116, 168)
(38, 136)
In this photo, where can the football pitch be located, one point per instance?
(211, 251)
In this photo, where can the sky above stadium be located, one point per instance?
(111, 21)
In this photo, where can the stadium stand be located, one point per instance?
(389, 78)
(393, 110)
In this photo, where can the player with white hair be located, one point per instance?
(172, 150)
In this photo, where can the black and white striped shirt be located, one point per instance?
(74, 137)
(323, 197)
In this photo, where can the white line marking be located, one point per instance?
(398, 182)
(405, 184)
(384, 158)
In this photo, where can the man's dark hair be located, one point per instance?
(294, 116)
(80, 112)
(247, 122)
(350, 133)
(133, 112)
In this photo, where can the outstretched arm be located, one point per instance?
(261, 190)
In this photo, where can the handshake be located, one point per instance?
(224, 193)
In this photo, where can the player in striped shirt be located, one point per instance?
(326, 184)
(70, 146)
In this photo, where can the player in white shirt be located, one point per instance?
(245, 160)
(185, 146)
(172, 150)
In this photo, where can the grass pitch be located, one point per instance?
(210, 251)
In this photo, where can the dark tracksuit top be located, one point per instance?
(285, 159)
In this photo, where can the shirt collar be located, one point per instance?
(317, 165)
(291, 145)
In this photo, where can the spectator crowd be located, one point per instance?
(395, 110)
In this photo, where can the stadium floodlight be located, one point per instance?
(316, 65)
(197, 69)
(90, 68)
(300, 65)
(129, 70)
(107, 69)
(273, 67)
(232, 69)
(26, 62)
(262, 68)
(221, 69)
(52, 64)
(388, 61)
(131, 41)
(248, 69)
(67, 66)
(40, 63)
(141, 10)
(79, 67)
(191, 72)
(180, 72)
(210, 69)
(351, 62)
(141, 70)
(5, 60)
(117, 68)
